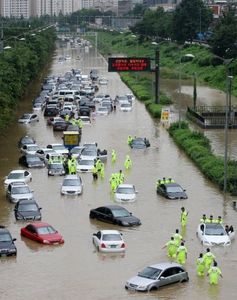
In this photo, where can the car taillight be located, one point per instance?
(46, 242)
(103, 245)
(123, 245)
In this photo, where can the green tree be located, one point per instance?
(188, 17)
(224, 39)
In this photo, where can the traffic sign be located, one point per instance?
(129, 64)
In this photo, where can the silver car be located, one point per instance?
(72, 185)
(155, 276)
(17, 191)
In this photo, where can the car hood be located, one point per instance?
(6, 246)
(56, 237)
(218, 240)
(72, 188)
(177, 195)
(36, 163)
(28, 214)
(131, 220)
(22, 196)
(140, 281)
(25, 121)
(125, 196)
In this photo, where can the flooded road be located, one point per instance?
(76, 270)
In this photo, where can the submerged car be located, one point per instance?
(171, 191)
(108, 241)
(28, 118)
(85, 165)
(7, 246)
(16, 176)
(27, 210)
(31, 161)
(114, 214)
(125, 193)
(72, 185)
(213, 234)
(155, 276)
(42, 233)
(126, 106)
(29, 149)
(25, 140)
(17, 191)
(139, 143)
(59, 148)
(56, 169)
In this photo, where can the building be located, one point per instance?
(124, 6)
(106, 5)
(16, 8)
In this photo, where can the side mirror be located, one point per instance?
(162, 278)
(14, 239)
(94, 234)
(184, 190)
(130, 214)
(40, 208)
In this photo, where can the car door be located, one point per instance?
(165, 277)
(109, 216)
(100, 213)
(97, 238)
(30, 232)
(176, 274)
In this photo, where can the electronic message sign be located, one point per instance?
(129, 64)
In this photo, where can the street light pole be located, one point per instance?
(228, 96)
(157, 76)
(179, 98)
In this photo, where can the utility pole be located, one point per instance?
(157, 76)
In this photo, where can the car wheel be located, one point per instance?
(152, 289)
(92, 216)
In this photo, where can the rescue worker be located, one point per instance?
(113, 182)
(98, 165)
(102, 170)
(158, 182)
(69, 162)
(167, 180)
(209, 258)
(200, 265)
(73, 167)
(171, 180)
(67, 117)
(203, 219)
(163, 181)
(120, 177)
(214, 273)
(128, 162)
(94, 172)
(129, 140)
(177, 238)
(183, 216)
(210, 219)
(171, 248)
(50, 160)
(182, 254)
(79, 123)
(113, 156)
(219, 220)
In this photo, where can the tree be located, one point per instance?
(188, 17)
(224, 38)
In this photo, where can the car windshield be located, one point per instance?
(122, 98)
(86, 162)
(149, 272)
(138, 142)
(125, 105)
(76, 150)
(15, 176)
(120, 212)
(56, 166)
(89, 152)
(46, 230)
(123, 190)
(33, 159)
(214, 229)
(20, 190)
(111, 237)
(174, 189)
(5, 237)
(27, 207)
(27, 140)
(58, 147)
(25, 116)
(102, 109)
(32, 148)
(71, 182)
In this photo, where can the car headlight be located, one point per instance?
(46, 242)
(125, 223)
(12, 250)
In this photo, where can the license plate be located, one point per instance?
(113, 246)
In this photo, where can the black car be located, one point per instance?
(140, 143)
(114, 214)
(84, 111)
(31, 161)
(25, 140)
(27, 210)
(171, 191)
(51, 111)
(60, 125)
(7, 246)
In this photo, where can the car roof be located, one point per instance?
(18, 183)
(171, 184)
(71, 177)
(108, 231)
(17, 171)
(125, 186)
(165, 265)
(113, 207)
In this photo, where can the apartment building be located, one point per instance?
(16, 8)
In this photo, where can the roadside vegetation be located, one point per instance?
(19, 64)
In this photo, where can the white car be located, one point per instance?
(125, 193)
(43, 152)
(18, 176)
(213, 234)
(59, 148)
(102, 111)
(30, 149)
(130, 97)
(28, 118)
(125, 106)
(103, 81)
(85, 120)
(85, 165)
(89, 153)
(72, 185)
(98, 98)
(76, 151)
(108, 241)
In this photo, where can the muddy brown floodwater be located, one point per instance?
(76, 270)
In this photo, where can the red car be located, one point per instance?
(42, 233)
